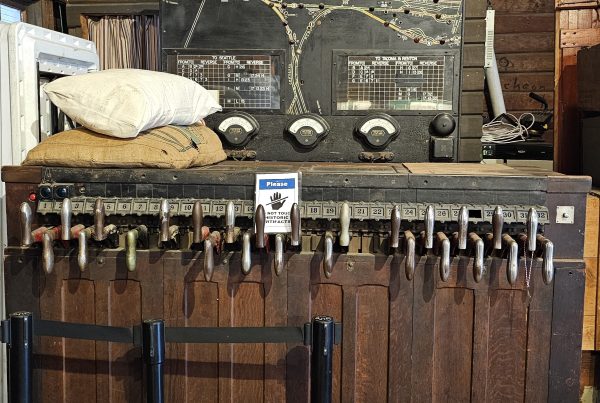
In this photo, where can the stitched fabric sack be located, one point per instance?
(163, 147)
(125, 102)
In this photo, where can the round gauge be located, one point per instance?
(237, 128)
(308, 129)
(377, 130)
(443, 125)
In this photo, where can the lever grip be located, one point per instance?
(66, 213)
(410, 246)
(548, 260)
(82, 251)
(278, 254)
(296, 223)
(197, 222)
(213, 241)
(230, 223)
(512, 266)
(478, 261)
(395, 224)
(99, 214)
(246, 253)
(48, 251)
(164, 217)
(259, 222)
(328, 255)
(26, 216)
(131, 252)
(444, 256)
(463, 227)
(497, 226)
(429, 226)
(344, 224)
(532, 229)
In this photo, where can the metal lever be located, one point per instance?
(164, 216)
(140, 232)
(344, 224)
(395, 221)
(532, 228)
(444, 256)
(99, 214)
(230, 222)
(512, 266)
(478, 264)
(278, 253)
(66, 213)
(48, 248)
(259, 222)
(328, 255)
(463, 227)
(429, 226)
(409, 251)
(295, 219)
(246, 253)
(197, 222)
(497, 226)
(26, 218)
(213, 241)
(548, 259)
(82, 253)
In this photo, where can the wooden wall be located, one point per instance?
(524, 44)
(578, 26)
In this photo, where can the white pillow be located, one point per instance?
(124, 102)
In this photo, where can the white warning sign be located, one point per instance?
(277, 193)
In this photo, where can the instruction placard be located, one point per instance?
(277, 193)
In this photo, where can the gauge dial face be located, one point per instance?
(378, 130)
(308, 130)
(378, 123)
(239, 121)
(237, 128)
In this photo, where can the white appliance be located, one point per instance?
(29, 57)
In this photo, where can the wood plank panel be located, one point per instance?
(507, 339)
(454, 324)
(372, 324)
(248, 309)
(525, 62)
(79, 355)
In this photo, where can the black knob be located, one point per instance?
(45, 192)
(61, 192)
(443, 125)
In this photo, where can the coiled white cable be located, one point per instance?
(500, 131)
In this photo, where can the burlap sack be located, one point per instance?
(163, 147)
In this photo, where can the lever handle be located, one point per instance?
(132, 240)
(230, 223)
(278, 254)
(328, 255)
(296, 222)
(82, 251)
(478, 263)
(48, 249)
(548, 259)
(410, 246)
(246, 253)
(197, 222)
(259, 222)
(213, 241)
(444, 256)
(395, 221)
(164, 216)
(429, 226)
(344, 224)
(463, 227)
(512, 267)
(26, 219)
(532, 229)
(497, 226)
(99, 214)
(66, 213)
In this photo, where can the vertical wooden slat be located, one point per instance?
(481, 319)
(349, 344)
